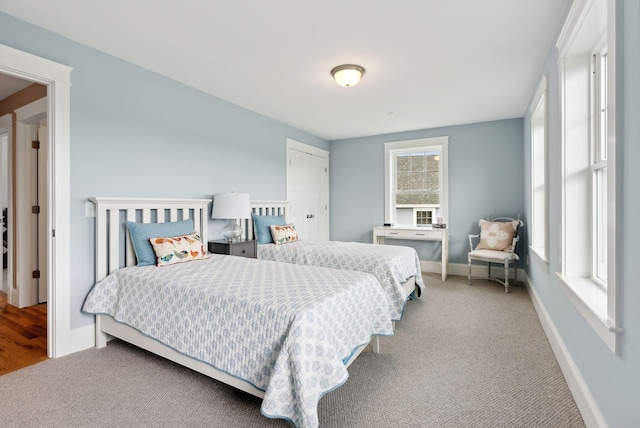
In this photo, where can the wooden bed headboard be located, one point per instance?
(266, 208)
(113, 245)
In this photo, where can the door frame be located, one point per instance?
(324, 154)
(6, 124)
(57, 79)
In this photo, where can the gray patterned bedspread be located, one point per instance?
(392, 265)
(283, 328)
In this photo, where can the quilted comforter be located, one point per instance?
(284, 328)
(392, 265)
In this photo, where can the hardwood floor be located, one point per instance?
(23, 335)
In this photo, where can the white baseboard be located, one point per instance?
(430, 266)
(82, 338)
(459, 269)
(586, 403)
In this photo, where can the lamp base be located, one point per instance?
(232, 232)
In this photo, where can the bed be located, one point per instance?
(282, 332)
(397, 268)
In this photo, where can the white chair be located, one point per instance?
(497, 244)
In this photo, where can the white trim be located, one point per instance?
(588, 298)
(587, 405)
(543, 89)
(57, 78)
(443, 143)
(82, 338)
(35, 108)
(575, 19)
(481, 271)
(306, 148)
(540, 101)
(539, 257)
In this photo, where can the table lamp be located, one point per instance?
(231, 206)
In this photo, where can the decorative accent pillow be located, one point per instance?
(261, 225)
(178, 249)
(496, 235)
(283, 234)
(142, 232)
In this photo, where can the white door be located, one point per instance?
(308, 190)
(31, 197)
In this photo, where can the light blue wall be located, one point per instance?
(614, 381)
(138, 134)
(485, 179)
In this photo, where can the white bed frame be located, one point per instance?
(114, 250)
(283, 208)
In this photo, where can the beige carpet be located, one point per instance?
(461, 357)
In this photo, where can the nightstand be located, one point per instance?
(241, 248)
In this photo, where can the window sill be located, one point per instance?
(591, 301)
(538, 253)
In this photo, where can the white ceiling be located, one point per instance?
(429, 63)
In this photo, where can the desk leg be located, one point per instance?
(445, 257)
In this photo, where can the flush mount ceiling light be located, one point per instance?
(347, 75)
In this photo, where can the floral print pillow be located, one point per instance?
(283, 234)
(178, 249)
(495, 235)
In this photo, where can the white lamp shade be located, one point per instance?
(231, 206)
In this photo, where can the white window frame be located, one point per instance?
(590, 23)
(538, 113)
(433, 212)
(598, 163)
(390, 149)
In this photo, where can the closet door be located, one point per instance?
(308, 190)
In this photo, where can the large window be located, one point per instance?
(539, 166)
(416, 182)
(587, 79)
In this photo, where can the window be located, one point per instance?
(599, 164)
(539, 166)
(587, 78)
(423, 217)
(416, 181)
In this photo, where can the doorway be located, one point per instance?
(23, 176)
(56, 78)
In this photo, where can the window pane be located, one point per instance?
(603, 107)
(601, 224)
(538, 178)
(418, 178)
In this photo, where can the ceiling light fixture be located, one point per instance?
(347, 75)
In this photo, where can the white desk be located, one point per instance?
(418, 234)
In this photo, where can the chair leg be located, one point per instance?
(506, 277)
(469, 275)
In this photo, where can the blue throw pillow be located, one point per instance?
(261, 225)
(142, 232)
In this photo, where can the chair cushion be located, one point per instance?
(493, 256)
(496, 235)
